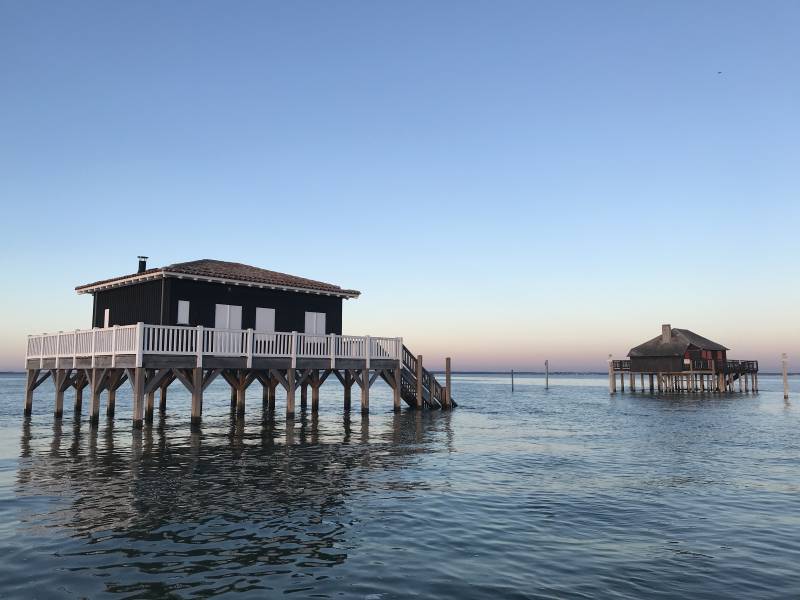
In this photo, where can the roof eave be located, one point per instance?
(93, 288)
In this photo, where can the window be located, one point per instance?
(183, 312)
(265, 320)
(107, 317)
(315, 323)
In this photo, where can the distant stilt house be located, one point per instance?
(680, 360)
(195, 321)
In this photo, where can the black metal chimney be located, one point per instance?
(142, 264)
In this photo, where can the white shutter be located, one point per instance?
(221, 316)
(320, 323)
(315, 323)
(235, 321)
(265, 320)
(183, 312)
(311, 322)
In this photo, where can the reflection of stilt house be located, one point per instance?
(680, 360)
(192, 322)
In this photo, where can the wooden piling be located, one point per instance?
(447, 383)
(365, 392)
(291, 380)
(512, 380)
(547, 374)
(162, 398)
(612, 380)
(785, 369)
(149, 406)
(138, 397)
(315, 384)
(197, 396)
(398, 383)
(94, 392)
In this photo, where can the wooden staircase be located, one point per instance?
(432, 392)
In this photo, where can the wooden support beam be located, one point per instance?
(98, 381)
(303, 396)
(138, 396)
(315, 385)
(79, 382)
(291, 382)
(398, 390)
(365, 391)
(347, 383)
(198, 384)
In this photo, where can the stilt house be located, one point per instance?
(194, 321)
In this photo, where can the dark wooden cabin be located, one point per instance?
(220, 294)
(683, 361)
(676, 350)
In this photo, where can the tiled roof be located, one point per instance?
(224, 271)
(678, 344)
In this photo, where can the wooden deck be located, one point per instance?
(151, 357)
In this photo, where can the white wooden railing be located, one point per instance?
(141, 339)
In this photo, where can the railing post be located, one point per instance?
(114, 348)
(332, 339)
(58, 348)
(198, 346)
(400, 351)
(139, 343)
(250, 348)
(294, 350)
(94, 341)
(368, 345)
(75, 350)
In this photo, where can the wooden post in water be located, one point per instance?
(197, 396)
(612, 381)
(547, 374)
(447, 382)
(785, 363)
(512, 381)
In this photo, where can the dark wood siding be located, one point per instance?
(129, 304)
(290, 307)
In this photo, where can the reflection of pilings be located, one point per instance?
(25, 441)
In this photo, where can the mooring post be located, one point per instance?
(612, 381)
(447, 382)
(785, 363)
(547, 374)
(512, 380)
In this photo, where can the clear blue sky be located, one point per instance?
(504, 181)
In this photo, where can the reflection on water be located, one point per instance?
(563, 493)
(257, 500)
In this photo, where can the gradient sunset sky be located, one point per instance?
(505, 182)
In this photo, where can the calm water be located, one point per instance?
(565, 493)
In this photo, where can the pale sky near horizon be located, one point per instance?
(505, 182)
